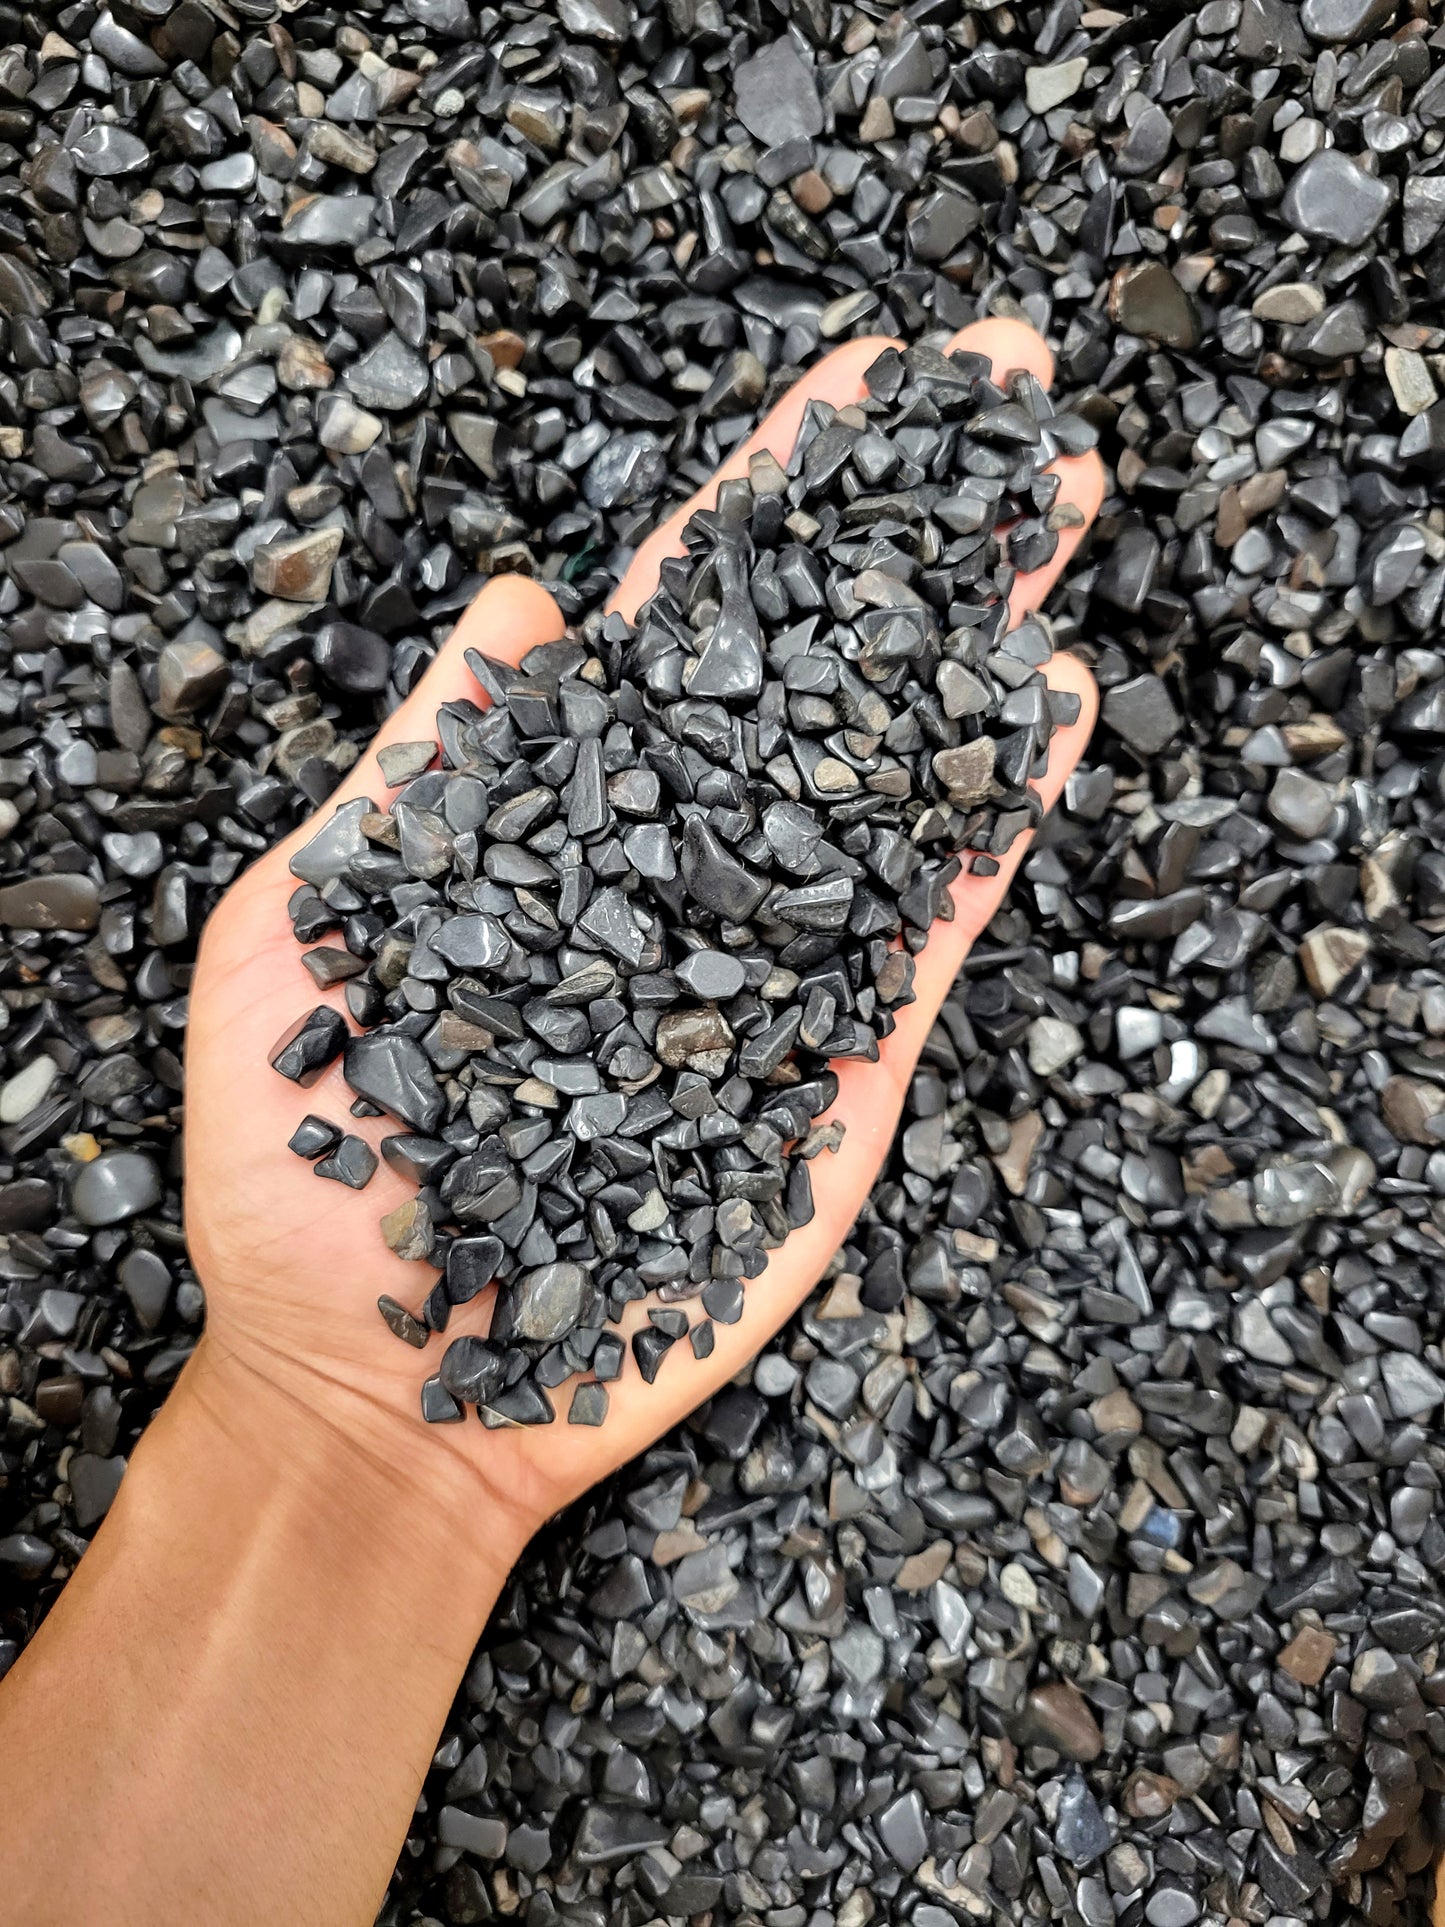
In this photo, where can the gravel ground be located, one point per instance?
(1077, 1553)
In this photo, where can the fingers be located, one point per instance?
(1081, 486)
(510, 616)
(837, 378)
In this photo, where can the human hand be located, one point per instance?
(293, 1268)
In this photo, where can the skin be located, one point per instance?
(228, 1715)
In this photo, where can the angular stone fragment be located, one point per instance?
(1332, 199)
(390, 376)
(391, 1070)
(1414, 1110)
(1147, 300)
(1309, 1655)
(685, 1034)
(297, 568)
(1149, 1796)
(1142, 711)
(1289, 301)
(1344, 21)
(310, 1044)
(400, 1321)
(1300, 804)
(966, 772)
(547, 1303)
(1049, 87)
(353, 1163)
(1412, 1388)
(1081, 1832)
(1053, 1043)
(777, 96)
(1410, 381)
(589, 1404)
(714, 876)
(1057, 1715)
(191, 674)
(1423, 211)
(59, 902)
(407, 1229)
(1330, 954)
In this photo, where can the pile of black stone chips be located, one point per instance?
(601, 956)
(1078, 1551)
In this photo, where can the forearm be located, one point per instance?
(228, 1713)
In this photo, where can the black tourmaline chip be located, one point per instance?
(472, 1264)
(408, 1328)
(438, 1407)
(313, 1137)
(472, 1370)
(312, 1043)
(589, 1404)
(352, 1162)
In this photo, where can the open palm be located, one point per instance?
(293, 1267)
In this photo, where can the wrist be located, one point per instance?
(261, 1644)
(293, 1451)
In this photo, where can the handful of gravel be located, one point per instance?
(602, 954)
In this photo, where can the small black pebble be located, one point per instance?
(589, 1404)
(438, 1407)
(401, 1321)
(313, 1136)
(352, 1162)
(312, 1042)
(472, 1370)
(649, 1348)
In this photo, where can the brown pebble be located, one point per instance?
(1309, 1655)
(811, 192)
(504, 346)
(408, 1230)
(1057, 1715)
(1147, 1796)
(920, 1570)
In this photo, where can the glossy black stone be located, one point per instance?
(589, 1404)
(352, 1163)
(391, 1071)
(406, 1327)
(313, 1137)
(472, 1264)
(438, 1407)
(472, 1370)
(311, 1043)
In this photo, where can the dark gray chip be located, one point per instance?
(310, 1045)
(589, 1404)
(407, 1328)
(472, 1370)
(353, 1163)
(115, 1186)
(438, 1407)
(313, 1137)
(390, 1070)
